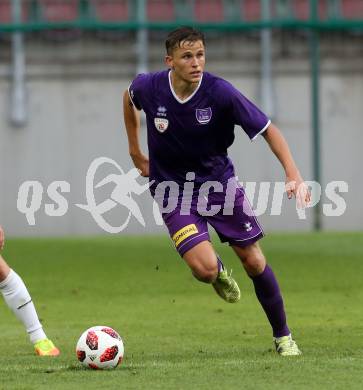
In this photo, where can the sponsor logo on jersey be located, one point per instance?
(184, 233)
(161, 111)
(203, 115)
(161, 124)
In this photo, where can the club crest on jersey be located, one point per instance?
(203, 115)
(161, 124)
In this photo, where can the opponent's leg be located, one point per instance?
(207, 267)
(19, 301)
(269, 295)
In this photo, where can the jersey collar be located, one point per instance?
(175, 95)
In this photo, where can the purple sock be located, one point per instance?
(268, 293)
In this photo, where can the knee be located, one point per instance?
(205, 273)
(253, 260)
(4, 269)
(202, 261)
(254, 264)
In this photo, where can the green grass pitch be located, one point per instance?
(178, 333)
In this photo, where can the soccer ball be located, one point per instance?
(100, 347)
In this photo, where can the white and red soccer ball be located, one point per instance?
(100, 347)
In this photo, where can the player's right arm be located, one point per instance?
(2, 238)
(132, 124)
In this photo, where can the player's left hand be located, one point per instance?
(295, 186)
(2, 238)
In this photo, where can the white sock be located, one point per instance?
(20, 302)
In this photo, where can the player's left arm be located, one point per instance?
(295, 184)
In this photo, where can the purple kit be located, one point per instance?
(193, 135)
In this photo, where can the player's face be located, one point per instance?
(187, 61)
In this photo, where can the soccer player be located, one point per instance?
(190, 117)
(20, 302)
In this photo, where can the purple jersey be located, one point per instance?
(193, 135)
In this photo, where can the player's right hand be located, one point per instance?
(141, 162)
(2, 238)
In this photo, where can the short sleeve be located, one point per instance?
(245, 114)
(138, 88)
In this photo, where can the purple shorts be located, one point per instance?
(232, 218)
